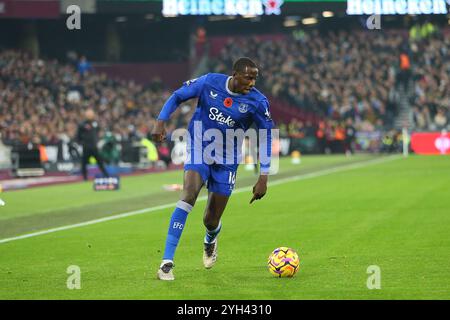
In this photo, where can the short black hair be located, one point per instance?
(240, 64)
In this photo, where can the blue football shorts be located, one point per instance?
(219, 178)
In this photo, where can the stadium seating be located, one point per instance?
(307, 76)
(42, 101)
(339, 75)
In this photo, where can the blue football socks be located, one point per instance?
(176, 228)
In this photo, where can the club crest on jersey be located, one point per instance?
(189, 82)
(243, 108)
(228, 102)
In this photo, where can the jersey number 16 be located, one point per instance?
(232, 178)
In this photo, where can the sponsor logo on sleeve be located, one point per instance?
(267, 114)
(189, 82)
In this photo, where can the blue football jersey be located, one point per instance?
(221, 111)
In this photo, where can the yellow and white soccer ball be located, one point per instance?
(283, 262)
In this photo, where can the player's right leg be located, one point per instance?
(192, 184)
(211, 219)
(220, 186)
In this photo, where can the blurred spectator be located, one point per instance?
(421, 118)
(164, 153)
(320, 134)
(419, 31)
(388, 145)
(87, 136)
(440, 119)
(72, 58)
(350, 137)
(110, 149)
(405, 70)
(200, 41)
(84, 66)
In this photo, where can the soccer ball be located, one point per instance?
(283, 262)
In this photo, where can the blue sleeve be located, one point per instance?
(190, 89)
(264, 123)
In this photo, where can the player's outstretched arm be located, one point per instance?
(260, 188)
(159, 131)
(190, 89)
(264, 124)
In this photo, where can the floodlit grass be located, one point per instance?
(394, 214)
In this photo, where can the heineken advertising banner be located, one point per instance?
(397, 7)
(221, 7)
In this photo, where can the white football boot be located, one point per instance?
(210, 254)
(165, 271)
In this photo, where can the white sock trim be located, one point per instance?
(184, 206)
(165, 261)
(206, 242)
(216, 229)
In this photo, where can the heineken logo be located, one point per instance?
(396, 7)
(221, 7)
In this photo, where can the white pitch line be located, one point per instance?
(239, 190)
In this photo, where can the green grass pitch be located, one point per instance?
(344, 215)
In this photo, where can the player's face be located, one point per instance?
(246, 80)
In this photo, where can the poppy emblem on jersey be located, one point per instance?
(228, 102)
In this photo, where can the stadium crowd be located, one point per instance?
(349, 79)
(342, 75)
(431, 97)
(42, 101)
(338, 75)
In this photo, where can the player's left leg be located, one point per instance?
(192, 184)
(211, 219)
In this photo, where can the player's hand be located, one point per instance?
(260, 188)
(159, 131)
